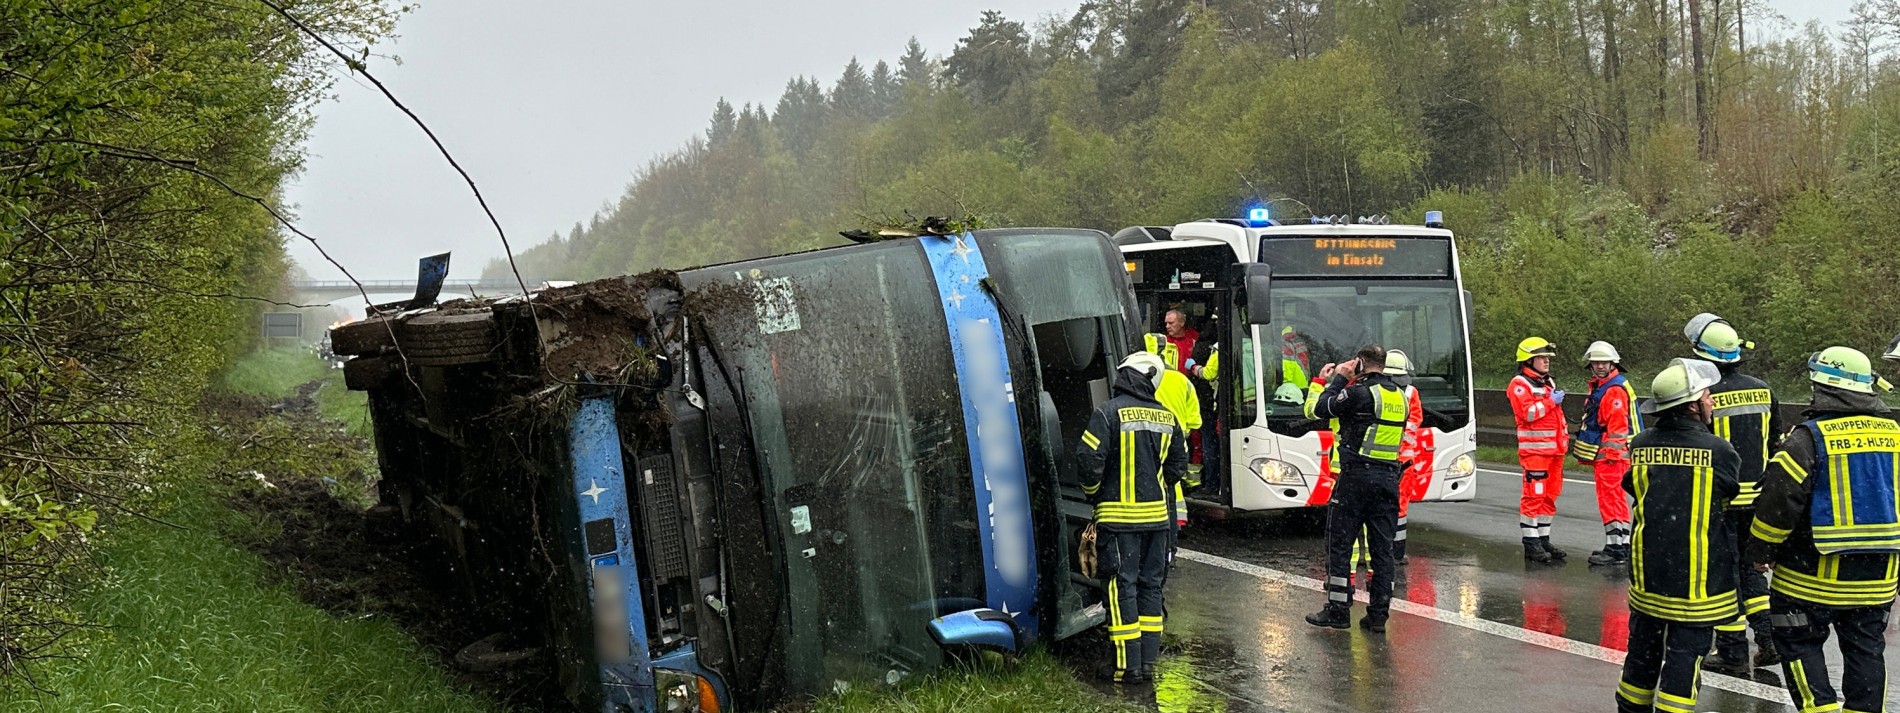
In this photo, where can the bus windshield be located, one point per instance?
(853, 405)
(1319, 322)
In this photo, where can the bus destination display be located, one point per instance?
(1330, 256)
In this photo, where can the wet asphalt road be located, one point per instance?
(1484, 630)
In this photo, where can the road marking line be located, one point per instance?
(1538, 638)
(1521, 475)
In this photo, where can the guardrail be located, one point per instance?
(1497, 428)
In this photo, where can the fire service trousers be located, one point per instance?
(1368, 500)
(1612, 503)
(1663, 666)
(1135, 563)
(1801, 631)
(1751, 588)
(1543, 482)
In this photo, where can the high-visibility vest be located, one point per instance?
(1596, 439)
(1856, 508)
(1385, 437)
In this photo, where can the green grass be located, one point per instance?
(274, 372)
(193, 626)
(1040, 683)
(1497, 455)
(350, 408)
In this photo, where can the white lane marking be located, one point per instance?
(1538, 638)
(1521, 475)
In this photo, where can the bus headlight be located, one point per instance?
(1461, 466)
(683, 692)
(1277, 472)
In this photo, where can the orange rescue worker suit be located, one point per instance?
(1609, 420)
(1541, 435)
(1416, 453)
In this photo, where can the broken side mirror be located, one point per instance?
(1255, 280)
(977, 628)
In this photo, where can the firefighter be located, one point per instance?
(1744, 416)
(1129, 460)
(1609, 420)
(1177, 393)
(1206, 368)
(1415, 451)
(1369, 412)
(1682, 576)
(1824, 521)
(1537, 404)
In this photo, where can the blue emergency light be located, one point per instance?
(1434, 219)
(1258, 216)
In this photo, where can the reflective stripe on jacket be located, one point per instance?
(1540, 422)
(1843, 456)
(1609, 420)
(1682, 554)
(1745, 417)
(1130, 456)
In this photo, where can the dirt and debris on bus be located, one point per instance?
(739, 485)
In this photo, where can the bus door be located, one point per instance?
(1190, 279)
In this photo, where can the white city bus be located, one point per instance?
(1334, 287)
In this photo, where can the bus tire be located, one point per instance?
(357, 338)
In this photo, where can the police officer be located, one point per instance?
(1370, 413)
(1609, 420)
(1130, 458)
(1744, 416)
(1825, 521)
(1682, 580)
(1415, 451)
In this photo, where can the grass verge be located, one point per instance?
(192, 625)
(1040, 683)
(274, 372)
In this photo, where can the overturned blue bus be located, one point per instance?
(731, 486)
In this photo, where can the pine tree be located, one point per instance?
(723, 122)
(884, 88)
(992, 59)
(852, 95)
(915, 67)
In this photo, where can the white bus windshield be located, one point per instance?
(1320, 322)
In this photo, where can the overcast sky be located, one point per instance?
(553, 105)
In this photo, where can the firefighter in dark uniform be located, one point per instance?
(1828, 523)
(1369, 413)
(1682, 556)
(1746, 417)
(1129, 460)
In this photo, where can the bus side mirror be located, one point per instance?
(977, 628)
(1256, 282)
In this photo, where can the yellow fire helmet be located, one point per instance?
(1602, 351)
(1714, 339)
(1397, 363)
(1534, 347)
(1684, 380)
(1843, 368)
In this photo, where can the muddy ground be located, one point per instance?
(316, 535)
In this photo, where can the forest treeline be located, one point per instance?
(139, 141)
(1612, 166)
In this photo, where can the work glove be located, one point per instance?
(1557, 397)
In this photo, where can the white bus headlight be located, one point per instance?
(1277, 472)
(1461, 466)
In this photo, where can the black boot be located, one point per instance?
(1398, 552)
(1766, 656)
(1374, 622)
(1535, 552)
(1333, 616)
(1555, 553)
(1731, 657)
(1611, 555)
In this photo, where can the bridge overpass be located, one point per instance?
(330, 290)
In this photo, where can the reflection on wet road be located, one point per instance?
(1483, 629)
